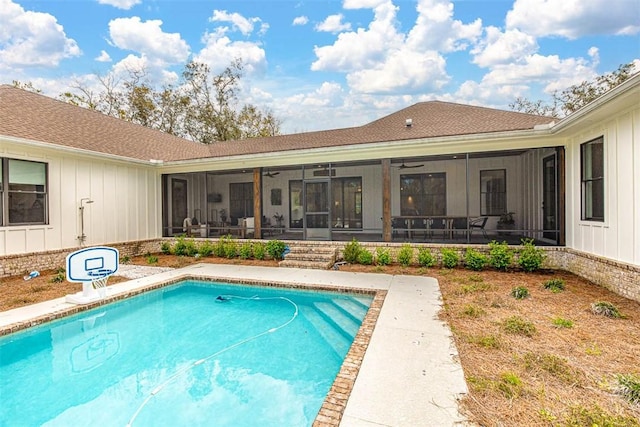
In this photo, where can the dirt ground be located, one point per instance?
(563, 373)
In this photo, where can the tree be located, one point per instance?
(201, 106)
(576, 96)
(25, 86)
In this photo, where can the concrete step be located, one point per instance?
(338, 342)
(318, 265)
(341, 320)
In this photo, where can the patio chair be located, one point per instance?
(438, 223)
(459, 224)
(478, 224)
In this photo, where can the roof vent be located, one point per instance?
(408, 123)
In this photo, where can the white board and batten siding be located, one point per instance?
(126, 202)
(618, 236)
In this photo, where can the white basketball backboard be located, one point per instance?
(89, 264)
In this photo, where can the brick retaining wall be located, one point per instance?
(621, 278)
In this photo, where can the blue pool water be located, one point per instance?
(181, 356)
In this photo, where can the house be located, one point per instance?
(73, 177)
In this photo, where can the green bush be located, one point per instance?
(205, 249)
(629, 387)
(275, 249)
(245, 251)
(351, 251)
(191, 248)
(450, 258)
(259, 250)
(560, 323)
(606, 309)
(518, 326)
(500, 255)
(365, 257)
(426, 258)
(405, 255)
(554, 285)
(383, 256)
(519, 292)
(218, 247)
(151, 259)
(180, 248)
(230, 248)
(530, 258)
(475, 260)
(165, 248)
(59, 277)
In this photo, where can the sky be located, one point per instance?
(327, 64)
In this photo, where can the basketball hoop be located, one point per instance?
(99, 280)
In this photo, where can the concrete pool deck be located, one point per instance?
(410, 374)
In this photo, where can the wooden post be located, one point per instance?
(386, 200)
(257, 203)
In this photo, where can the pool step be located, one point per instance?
(341, 319)
(353, 307)
(310, 256)
(336, 339)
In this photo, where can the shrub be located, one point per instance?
(151, 259)
(606, 309)
(365, 257)
(191, 248)
(628, 386)
(519, 292)
(530, 258)
(554, 285)
(205, 249)
(518, 326)
(383, 256)
(125, 259)
(500, 255)
(230, 248)
(259, 250)
(559, 323)
(59, 276)
(486, 341)
(245, 250)
(180, 248)
(475, 260)
(426, 258)
(405, 255)
(450, 258)
(275, 249)
(352, 251)
(165, 248)
(472, 310)
(218, 247)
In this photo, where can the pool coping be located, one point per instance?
(402, 368)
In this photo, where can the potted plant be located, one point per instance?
(506, 222)
(279, 219)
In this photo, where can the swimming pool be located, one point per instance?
(180, 355)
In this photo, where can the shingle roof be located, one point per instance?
(32, 116)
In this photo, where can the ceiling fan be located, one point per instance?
(403, 166)
(271, 174)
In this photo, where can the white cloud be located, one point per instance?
(403, 70)
(333, 24)
(220, 51)
(300, 20)
(363, 48)
(503, 47)
(575, 18)
(120, 4)
(32, 38)
(435, 28)
(381, 59)
(104, 57)
(148, 39)
(239, 22)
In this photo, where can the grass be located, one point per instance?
(518, 326)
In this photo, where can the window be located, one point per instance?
(592, 179)
(423, 194)
(240, 201)
(23, 192)
(493, 192)
(346, 211)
